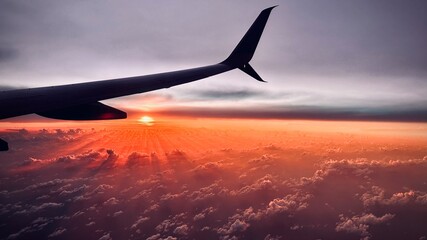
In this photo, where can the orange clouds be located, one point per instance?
(225, 179)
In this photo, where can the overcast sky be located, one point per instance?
(363, 55)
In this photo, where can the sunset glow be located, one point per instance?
(262, 169)
(147, 120)
(332, 146)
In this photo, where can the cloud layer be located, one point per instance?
(293, 187)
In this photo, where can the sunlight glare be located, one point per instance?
(149, 121)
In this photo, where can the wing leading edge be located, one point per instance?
(80, 101)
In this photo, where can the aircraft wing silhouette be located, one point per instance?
(81, 101)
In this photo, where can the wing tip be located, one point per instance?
(245, 49)
(270, 8)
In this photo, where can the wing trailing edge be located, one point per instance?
(4, 146)
(90, 111)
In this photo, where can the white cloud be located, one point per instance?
(100, 189)
(181, 230)
(57, 232)
(377, 195)
(106, 237)
(204, 213)
(139, 221)
(118, 213)
(111, 201)
(360, 223)
(266, 183)
(290, 203)
(238, 226)
(44, 206)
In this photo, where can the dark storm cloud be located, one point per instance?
(306, 112)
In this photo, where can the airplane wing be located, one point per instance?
(81, 101)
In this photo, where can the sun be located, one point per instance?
(147, 120)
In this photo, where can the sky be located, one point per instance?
(226, 157)
(330, 57)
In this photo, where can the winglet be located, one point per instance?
(251, 72)
(245, 50)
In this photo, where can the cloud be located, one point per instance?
(73, 191)
(111, 202)
(7, 54)
(171, 196)
(360, 224)
(204, 213)
(208, 171)
(39, 208)
(90, 224)
(266, 183)
(181, 230)
(77, 214)
(16, 235)
(106, 237)
(139, 221)
(44, 135)
(158, 237)
(110, 162)
(57, 232)
(344, 185)
(224, 94)
(207, 193)
(154, 237)
(165, 226)
(100, 189)
(290, 203)
(270, 237)
(48, 184)
(404, 114)
(176, 156)
(377, 196)
(86, 157)
(237, 226)
(137, 159)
